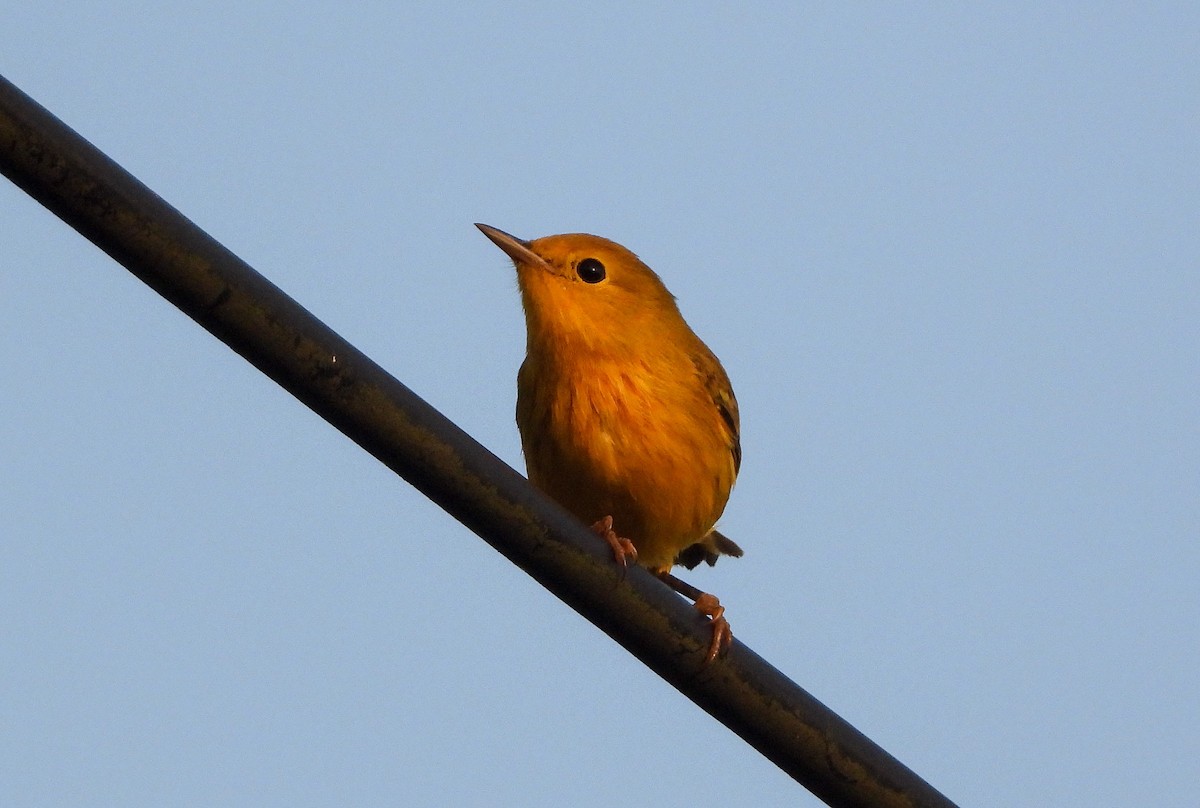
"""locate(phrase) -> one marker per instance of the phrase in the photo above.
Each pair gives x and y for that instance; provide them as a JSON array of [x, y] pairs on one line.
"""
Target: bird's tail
[[708, 550]]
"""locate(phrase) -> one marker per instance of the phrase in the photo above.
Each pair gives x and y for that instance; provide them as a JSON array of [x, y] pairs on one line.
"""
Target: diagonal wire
[[243, 309]]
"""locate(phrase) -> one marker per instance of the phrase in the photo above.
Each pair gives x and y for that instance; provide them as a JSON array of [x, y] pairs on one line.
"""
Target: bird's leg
[[623, 549], [710, 607]]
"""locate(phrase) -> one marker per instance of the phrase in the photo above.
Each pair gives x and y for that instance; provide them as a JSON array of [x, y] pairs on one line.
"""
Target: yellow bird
[[626, 418]]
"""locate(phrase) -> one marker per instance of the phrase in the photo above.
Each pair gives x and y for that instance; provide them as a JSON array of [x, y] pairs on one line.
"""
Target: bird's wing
[[716, 383]]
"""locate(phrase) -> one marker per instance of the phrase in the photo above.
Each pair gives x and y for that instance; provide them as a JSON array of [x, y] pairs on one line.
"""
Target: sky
[[947, 254]]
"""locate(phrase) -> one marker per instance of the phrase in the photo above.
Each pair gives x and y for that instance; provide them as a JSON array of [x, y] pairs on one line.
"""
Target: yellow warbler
[[626, 417]]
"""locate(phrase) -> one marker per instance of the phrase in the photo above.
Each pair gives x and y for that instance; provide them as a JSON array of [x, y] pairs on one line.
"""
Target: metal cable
[[222, 293]]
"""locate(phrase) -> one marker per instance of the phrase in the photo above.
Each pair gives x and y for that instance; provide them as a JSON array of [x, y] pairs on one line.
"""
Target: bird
[[626, 418]]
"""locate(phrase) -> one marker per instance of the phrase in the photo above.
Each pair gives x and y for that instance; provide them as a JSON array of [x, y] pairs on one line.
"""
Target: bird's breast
[[641, 443]]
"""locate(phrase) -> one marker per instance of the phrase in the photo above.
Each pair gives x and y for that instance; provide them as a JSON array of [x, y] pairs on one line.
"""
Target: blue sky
[[947, 254]]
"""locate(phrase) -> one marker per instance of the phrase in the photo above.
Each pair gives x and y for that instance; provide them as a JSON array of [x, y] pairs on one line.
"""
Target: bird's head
[[587, 291]]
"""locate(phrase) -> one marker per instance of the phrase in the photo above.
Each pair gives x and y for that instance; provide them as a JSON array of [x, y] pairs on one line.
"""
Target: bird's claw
[[722, 635], [622, 548]]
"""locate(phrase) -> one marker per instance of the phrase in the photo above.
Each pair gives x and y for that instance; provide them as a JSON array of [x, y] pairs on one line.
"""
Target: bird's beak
[[516, 249]]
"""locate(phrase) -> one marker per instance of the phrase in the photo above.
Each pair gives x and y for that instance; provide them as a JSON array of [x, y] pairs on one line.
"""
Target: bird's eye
[[590, 270]]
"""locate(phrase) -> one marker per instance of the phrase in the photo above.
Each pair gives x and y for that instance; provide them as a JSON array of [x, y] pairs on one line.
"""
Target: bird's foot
[[722, 635], [710, 607], [623, 550]]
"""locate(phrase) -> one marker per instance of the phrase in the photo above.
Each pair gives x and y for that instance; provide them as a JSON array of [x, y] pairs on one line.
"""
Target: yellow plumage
[[622, 410]]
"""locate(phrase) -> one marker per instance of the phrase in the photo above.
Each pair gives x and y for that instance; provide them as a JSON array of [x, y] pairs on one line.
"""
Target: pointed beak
[[516, 249]]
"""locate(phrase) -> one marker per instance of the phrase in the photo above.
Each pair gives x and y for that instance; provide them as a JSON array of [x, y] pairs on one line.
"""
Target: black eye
[[590, 270]]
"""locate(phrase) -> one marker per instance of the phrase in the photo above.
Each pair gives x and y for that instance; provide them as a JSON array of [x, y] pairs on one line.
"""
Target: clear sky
[[948, 254]]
